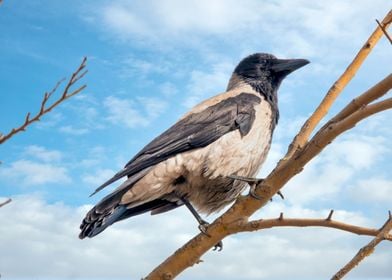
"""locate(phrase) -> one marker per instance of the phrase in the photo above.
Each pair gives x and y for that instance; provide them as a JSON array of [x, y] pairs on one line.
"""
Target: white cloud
[[372, 190], [42, 153], [95, 156], [124, 112], [99, 176], [153, 107], [205, 84], [329, 174], [29, 173], [70, 129], [132, 248], [133, 113], [174, 22], [168, 89]]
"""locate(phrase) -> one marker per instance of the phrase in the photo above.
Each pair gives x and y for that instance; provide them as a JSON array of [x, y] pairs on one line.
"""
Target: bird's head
[[264, 72]]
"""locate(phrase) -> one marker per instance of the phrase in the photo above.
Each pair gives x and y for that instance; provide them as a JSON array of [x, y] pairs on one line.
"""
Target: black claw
[[203, 228], [252, 192], [280, 194], [218, 246]]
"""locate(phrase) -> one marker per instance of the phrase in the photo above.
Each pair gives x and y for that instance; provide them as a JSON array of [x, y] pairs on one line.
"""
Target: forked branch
[[75, 77], [365, 251], [290, 222], [302, 137]]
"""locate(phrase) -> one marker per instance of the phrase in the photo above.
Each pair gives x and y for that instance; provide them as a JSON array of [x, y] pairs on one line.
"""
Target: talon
[[280, 194], [252, 192], [245, 179], [218, 246], [203, 228]]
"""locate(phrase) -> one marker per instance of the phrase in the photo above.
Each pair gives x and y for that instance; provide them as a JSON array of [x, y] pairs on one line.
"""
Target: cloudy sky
[[149, 62]]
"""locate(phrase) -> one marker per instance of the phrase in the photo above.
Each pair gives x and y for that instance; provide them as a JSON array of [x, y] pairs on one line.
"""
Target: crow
[[197, 161]]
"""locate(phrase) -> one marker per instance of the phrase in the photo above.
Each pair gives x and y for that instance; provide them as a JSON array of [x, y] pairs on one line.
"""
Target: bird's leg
[[253, 182], [203, 225]]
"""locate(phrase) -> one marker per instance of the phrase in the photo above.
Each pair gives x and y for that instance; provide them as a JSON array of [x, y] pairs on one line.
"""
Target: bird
[[200, 160]]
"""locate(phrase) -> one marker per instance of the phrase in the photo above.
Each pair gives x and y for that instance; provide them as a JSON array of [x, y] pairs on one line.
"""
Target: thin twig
[[302, 137], [291, 222], [366, 250], [367, 97], [5, 202], [385, 32], [77, 75]]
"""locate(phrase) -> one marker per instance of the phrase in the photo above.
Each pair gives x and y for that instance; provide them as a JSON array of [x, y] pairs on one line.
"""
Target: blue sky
[[149, 62]]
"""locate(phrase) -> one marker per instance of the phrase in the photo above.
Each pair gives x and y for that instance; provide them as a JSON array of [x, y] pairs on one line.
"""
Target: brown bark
[[366, 250], [289, 222]]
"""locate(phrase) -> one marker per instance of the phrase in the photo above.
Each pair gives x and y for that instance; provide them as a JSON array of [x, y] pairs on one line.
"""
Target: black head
[[265, 72]]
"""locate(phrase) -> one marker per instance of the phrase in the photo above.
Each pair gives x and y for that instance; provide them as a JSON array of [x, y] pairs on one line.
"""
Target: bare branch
[[367, 97], [5, 202], [77, 75], [244, 207], [290, 222], [366, 250], [311, 123]]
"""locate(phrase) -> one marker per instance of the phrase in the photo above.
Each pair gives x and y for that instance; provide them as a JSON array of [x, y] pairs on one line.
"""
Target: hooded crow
[[195, 162]]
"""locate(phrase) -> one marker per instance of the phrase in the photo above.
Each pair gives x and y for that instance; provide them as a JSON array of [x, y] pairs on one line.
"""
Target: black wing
[[194, 131]]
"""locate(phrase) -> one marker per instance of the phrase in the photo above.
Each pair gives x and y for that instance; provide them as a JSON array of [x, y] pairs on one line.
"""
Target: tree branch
[[245, 206], [308, 127], [290, 222], [367, 97], [5, 202], [76, 76], [366, 250]]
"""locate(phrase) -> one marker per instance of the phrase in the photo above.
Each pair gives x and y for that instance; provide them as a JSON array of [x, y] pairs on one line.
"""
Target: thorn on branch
[[280, 194], [329, 216], [384, 31], [5, 202], [280, 216], [27, 117]]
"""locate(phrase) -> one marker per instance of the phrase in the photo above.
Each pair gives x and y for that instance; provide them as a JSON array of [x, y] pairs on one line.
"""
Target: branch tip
[[330, 215], [77, 75]]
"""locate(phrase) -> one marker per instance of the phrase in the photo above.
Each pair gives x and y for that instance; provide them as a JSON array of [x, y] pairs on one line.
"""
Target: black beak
[[288, 65]]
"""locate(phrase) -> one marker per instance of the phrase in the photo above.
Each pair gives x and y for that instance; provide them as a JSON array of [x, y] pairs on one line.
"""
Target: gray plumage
[[228, 134]]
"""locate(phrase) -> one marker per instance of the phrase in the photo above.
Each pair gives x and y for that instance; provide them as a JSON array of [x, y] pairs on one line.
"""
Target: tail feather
[[96, 221]]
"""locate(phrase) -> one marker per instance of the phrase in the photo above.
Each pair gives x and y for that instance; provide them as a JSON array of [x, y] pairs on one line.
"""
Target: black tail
[[97, 221]]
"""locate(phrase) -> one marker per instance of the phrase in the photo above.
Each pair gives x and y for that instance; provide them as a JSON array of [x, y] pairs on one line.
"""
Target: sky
[[149, 62]]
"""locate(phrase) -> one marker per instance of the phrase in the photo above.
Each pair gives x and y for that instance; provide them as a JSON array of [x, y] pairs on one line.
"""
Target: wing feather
[[194, 131]]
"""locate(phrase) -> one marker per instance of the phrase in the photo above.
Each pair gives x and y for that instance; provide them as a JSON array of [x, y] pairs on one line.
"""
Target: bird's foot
[[203, 226], [249, 180], [253, 182], [252, 192], [218, 246]]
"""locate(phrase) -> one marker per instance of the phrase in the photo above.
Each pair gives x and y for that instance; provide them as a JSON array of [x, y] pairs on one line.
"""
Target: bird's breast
[[240, 155]]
